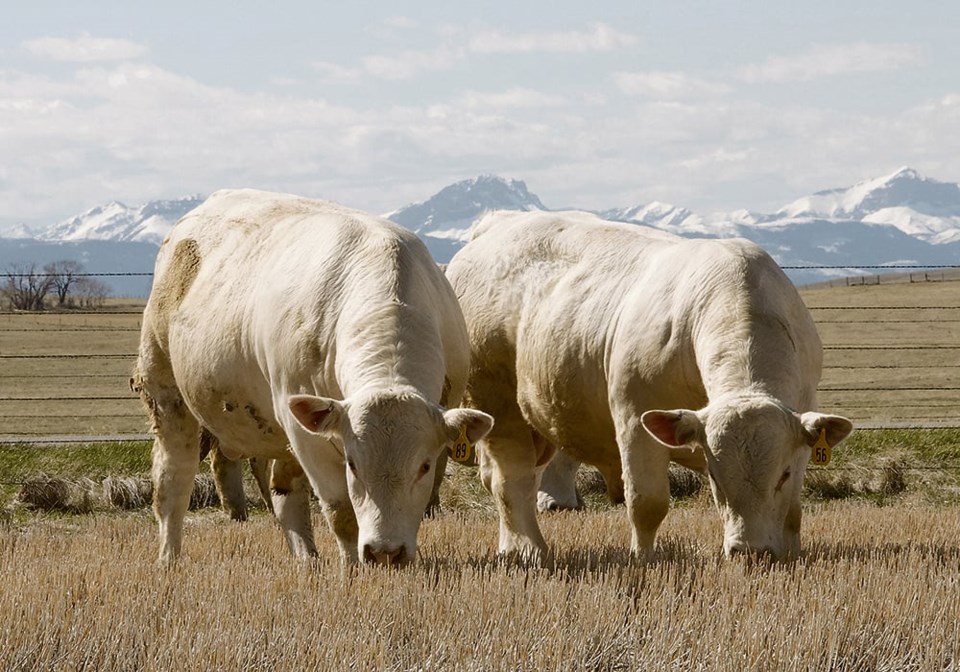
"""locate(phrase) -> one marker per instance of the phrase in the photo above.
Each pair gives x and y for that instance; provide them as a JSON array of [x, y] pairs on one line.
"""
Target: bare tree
[[91, 293], [63, 275], [25, 287]]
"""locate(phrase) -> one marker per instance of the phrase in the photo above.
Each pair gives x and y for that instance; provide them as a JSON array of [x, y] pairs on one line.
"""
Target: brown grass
[[875, 589]]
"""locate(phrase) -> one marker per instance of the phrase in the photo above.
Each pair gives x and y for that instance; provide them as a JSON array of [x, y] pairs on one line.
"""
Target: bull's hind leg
[[260, 468], [291, 504], [227, 477], [558, 485], [176, 452]]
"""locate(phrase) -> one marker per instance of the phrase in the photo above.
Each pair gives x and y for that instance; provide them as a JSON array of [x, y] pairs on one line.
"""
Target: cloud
[[660, 84], [336, 73], [456, 44], [403, 22], [398, 66], [512, 98], [407, 64], [600, 37], [134, 131], [826, 60], [84, 49]]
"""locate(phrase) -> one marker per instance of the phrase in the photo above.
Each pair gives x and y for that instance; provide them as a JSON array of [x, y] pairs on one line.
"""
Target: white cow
[[581, 328], [317, 336]]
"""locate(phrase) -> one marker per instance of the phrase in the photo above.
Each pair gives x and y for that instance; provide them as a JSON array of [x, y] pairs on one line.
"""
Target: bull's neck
[[389, 346], [749, 353]]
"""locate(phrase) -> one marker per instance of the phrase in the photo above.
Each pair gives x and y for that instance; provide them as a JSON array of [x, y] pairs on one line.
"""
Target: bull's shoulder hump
[[541, 222], [256, 210], [256, 204], [573, 229]]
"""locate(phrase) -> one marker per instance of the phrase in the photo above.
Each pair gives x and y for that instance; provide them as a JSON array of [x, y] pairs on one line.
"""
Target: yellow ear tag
[[462, 449], [821, 449]]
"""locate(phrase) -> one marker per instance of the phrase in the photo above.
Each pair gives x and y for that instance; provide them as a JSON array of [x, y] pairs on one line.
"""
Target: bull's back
[[541, 295], [248, 295]]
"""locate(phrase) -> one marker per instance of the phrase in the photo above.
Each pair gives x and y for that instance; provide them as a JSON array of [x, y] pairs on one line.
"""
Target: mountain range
[[898, 219]]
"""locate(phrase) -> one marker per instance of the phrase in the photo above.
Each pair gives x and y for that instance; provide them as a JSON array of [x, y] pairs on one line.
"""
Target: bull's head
[[756, 454], [390, 443]]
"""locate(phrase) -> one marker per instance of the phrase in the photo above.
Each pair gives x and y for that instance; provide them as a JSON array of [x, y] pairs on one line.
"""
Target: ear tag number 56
[[462, 449], [821, 449]]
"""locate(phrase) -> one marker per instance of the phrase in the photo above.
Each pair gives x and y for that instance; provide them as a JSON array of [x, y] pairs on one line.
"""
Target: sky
[[713, 106]]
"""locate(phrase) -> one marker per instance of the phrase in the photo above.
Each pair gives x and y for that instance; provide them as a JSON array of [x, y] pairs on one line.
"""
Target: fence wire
[[58, 322]]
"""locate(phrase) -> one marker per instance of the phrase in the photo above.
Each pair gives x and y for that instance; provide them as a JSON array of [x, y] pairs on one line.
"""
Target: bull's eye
[[353, 467], [783, 479], [425, 469]]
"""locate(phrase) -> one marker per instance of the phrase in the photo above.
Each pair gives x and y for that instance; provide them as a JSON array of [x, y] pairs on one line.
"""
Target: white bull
[[581, 329], [314, 335]]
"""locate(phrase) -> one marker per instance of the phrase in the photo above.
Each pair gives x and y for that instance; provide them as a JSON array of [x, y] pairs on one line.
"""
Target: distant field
[[68, 372], [892, 356], [891, 351]]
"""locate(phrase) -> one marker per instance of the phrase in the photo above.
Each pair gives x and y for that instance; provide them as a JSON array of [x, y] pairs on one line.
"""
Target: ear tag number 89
[[462, 449]]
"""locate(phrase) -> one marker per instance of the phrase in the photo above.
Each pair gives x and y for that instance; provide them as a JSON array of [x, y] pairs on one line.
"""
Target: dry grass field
[[877, 586], [876, 589]]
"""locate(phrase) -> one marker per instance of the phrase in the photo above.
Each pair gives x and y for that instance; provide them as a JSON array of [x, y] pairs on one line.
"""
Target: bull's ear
[[673, 428], [477, 423], [317, 415], [835, 428]]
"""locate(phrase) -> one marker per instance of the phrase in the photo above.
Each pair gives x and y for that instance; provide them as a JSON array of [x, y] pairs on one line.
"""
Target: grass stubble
[[876, 588]]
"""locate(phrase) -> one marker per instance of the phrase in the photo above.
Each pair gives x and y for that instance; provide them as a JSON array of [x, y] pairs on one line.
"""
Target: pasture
[[877, 586]]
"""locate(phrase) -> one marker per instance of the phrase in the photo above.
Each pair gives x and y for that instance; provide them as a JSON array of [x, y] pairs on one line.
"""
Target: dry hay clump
[[50, 493], [888, 479], [127, 492], [83, 495], [683, 482]]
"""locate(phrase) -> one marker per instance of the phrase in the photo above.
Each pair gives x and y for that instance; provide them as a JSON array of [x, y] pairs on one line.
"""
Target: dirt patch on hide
[[177, 279]]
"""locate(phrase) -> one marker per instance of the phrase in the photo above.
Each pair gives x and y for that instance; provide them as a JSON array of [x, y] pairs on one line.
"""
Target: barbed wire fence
[[23, 373]]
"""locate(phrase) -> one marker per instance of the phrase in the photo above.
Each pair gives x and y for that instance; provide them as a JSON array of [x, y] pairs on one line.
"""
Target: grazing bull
[[320, 337], [581, 329]]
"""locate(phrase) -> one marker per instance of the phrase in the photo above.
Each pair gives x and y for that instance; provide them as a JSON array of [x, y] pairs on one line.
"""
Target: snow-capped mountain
[[918, 206], [148, 223], [20, 231], [901, 218], [676, 220], [443, 221]]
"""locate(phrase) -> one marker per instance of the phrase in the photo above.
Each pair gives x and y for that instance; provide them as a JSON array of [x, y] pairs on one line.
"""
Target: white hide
[[579, 327], [316, 335]]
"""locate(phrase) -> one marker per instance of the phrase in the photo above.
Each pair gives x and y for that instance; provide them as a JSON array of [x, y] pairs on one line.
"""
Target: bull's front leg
[[324, 464], [512, 467], [791, 529], [646, 483], [433, 506]]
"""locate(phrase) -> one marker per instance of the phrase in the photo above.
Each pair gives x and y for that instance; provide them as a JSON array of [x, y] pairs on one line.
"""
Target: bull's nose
[[385, 555]]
